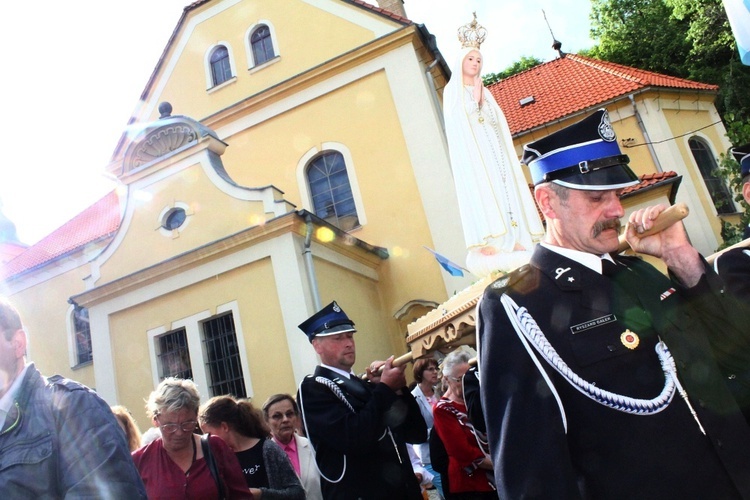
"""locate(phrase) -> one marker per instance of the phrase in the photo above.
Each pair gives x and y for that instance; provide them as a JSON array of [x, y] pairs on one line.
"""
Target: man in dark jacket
[[58, 439], [596, 374], [733, 355], [358, 428]]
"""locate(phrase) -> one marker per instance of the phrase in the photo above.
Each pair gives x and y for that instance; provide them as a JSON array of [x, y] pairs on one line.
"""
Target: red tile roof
[[649, 180], [573, 84], [100, 220]]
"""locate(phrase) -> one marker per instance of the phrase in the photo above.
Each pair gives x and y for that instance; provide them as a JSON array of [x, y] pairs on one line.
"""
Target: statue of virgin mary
[[500, 220]]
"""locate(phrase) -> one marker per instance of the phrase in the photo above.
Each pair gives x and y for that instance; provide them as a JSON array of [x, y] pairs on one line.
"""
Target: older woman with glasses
[[469, 468], [173, 466], [282, 416]]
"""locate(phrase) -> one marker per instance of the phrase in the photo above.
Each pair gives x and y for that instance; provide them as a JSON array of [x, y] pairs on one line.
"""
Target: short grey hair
[[454, 359], [173, 394]]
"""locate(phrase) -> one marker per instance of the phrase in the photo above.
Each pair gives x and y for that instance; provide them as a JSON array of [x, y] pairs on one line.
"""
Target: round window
[[174, 219]]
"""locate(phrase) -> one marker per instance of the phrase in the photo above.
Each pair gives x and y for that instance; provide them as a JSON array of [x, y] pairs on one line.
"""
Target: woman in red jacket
[[469, 468]]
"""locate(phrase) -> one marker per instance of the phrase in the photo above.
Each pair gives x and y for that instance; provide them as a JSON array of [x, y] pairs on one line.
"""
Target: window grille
[[223, 365], [174, 355]]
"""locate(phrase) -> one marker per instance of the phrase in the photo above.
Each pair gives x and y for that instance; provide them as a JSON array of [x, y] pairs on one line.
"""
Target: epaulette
[[504, 282]]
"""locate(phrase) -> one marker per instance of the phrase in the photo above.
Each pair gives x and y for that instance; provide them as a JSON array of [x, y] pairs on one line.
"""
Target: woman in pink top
[[282, 415]]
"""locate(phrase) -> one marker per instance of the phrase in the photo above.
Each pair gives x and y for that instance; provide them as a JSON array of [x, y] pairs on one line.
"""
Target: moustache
[[606, 224]]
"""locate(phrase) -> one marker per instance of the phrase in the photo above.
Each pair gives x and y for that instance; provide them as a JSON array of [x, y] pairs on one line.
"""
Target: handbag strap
[[211, 463]]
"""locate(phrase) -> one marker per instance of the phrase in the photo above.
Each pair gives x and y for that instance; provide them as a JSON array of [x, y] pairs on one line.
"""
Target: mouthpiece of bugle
[[673, 214]]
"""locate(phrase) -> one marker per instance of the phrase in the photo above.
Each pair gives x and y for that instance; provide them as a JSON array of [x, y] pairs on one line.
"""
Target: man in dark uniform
[[358, 428], [596, 377], [734, 265], [734, 268]]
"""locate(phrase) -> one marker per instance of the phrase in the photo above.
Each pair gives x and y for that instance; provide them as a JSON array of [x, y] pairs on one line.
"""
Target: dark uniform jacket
[[358, 431], [733, 353], [549, 440], [60, 440]]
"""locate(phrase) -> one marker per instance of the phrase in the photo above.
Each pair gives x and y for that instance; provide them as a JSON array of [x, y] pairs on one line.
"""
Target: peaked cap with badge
[[584, 155], [330, 320]]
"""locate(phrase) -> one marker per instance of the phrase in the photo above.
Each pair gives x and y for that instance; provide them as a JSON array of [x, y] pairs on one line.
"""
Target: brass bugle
[[673, 214]]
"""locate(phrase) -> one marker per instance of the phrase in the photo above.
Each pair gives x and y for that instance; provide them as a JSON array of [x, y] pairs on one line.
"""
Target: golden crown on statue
[[472, 34]]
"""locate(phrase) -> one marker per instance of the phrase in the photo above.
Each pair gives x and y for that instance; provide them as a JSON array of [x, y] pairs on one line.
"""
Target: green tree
[[517, 67], [640, 33], [684, 38]]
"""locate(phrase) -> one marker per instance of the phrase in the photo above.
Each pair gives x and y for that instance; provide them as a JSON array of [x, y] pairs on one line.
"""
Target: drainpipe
[[645, 134], [433, 91], [309, 263]]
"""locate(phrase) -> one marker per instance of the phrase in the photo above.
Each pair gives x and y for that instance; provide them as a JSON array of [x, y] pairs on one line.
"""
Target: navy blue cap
[[330, 320], [742, 155], [584, 155]]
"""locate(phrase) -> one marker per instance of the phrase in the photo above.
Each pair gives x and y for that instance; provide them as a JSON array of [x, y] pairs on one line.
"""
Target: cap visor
[[614, 177], [336, 330]]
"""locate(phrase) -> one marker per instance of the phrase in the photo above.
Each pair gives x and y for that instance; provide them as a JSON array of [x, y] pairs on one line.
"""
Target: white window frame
[[304, 187], [707, 142], [72, 345], [174, 233], [251, 66], [193, 326], [207, 66]]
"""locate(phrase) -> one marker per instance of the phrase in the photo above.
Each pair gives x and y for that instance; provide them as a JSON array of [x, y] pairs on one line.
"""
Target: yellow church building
[[284, 154]]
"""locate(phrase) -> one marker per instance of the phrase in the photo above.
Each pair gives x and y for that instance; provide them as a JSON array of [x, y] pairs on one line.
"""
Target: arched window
[[331, 191], [221, 70], [262, 45], [717, 187]]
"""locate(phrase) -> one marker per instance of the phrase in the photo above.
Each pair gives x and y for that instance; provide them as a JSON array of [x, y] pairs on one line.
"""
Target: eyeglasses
[[188, 426], [278, 416], [455, 379]]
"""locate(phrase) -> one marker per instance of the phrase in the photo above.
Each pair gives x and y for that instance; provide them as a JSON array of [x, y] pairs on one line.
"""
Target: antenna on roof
[[556, 44]]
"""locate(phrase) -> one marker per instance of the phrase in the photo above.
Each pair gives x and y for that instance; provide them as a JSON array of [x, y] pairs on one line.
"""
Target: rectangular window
[[174, 355], [83, 335], [223, 365]]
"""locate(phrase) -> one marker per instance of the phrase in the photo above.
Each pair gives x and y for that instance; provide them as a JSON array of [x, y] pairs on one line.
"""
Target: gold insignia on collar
[[629, 339]]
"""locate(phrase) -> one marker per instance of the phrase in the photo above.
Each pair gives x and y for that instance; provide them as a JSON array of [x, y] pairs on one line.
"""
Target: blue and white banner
[[738, 12]]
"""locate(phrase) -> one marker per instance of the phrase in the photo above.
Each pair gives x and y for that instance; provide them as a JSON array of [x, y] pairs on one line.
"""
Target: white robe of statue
[[500, 220]]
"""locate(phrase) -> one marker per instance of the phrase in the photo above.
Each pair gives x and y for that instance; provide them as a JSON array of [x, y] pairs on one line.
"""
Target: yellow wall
[[306, 35], [377, 336], [214, 215], [43, 310], [363, 117], [252, 286]]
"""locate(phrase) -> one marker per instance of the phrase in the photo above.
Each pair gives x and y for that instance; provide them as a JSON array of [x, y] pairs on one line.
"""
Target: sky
[[75, 70]]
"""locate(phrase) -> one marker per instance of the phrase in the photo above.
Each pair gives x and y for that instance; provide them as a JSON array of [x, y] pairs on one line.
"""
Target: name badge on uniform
[[588, 325]]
